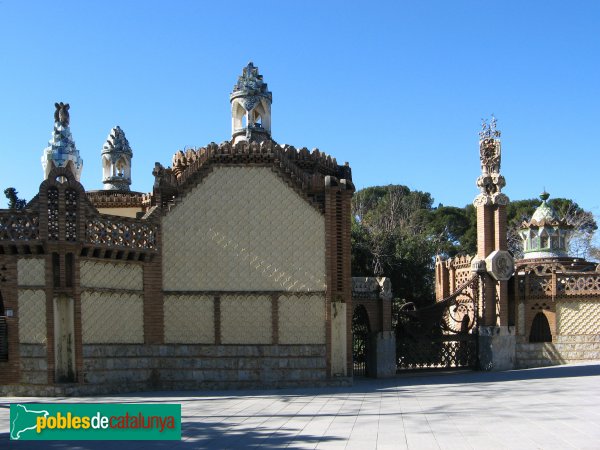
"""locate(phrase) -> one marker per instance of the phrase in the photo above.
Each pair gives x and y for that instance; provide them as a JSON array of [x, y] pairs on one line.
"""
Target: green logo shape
[[95, 421]]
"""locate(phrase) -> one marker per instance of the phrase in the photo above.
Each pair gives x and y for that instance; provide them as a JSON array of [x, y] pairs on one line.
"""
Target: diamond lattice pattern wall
[[578, 317], [110, 317], [243, 229], [302, 319], [189, 319], [32, 316], [246, 319], [31, 272], [96, 274]]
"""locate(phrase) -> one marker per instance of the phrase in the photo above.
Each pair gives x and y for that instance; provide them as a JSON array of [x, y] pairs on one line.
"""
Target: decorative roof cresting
[[61, 150]]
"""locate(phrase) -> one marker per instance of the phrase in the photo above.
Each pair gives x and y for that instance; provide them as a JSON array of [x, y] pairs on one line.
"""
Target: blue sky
[[398, 89]]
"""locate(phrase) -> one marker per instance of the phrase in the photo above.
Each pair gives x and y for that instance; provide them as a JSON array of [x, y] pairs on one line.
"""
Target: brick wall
[[272, 232]]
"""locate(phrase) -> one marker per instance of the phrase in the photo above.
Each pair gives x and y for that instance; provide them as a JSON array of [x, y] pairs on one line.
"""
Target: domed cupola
[[61, 150], [250, 107], [545, 235]]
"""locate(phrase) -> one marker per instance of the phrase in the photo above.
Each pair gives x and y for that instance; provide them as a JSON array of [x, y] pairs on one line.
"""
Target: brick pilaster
[[153, 301], [485, 231], [338, 261], [10, 371], [275, 319], [346, 268], [217, 319], [50, 269], [500, 227], [330, 263], [488, 302]]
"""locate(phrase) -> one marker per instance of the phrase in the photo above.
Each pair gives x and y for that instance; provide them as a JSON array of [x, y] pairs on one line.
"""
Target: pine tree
[[14, 202]]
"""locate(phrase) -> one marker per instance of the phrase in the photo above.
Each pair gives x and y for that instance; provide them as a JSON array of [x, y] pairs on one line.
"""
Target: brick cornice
[[308, 173]]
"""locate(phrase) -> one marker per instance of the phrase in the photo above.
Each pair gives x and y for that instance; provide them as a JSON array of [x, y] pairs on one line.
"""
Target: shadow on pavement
[[407, 379], [566, 371], [195, 435]]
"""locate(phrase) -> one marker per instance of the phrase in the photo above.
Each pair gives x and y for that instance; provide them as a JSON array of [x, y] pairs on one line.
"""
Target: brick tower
[[494, 263]]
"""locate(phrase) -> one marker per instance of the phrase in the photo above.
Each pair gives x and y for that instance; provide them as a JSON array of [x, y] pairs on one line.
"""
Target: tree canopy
[[397, 233], [390, 238], [14, 202]]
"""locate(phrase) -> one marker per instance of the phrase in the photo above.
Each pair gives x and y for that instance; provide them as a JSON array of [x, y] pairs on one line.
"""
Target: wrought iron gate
[[361, 332], [443, 335]]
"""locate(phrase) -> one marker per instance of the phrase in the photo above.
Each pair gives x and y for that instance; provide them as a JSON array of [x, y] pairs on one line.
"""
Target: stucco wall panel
[[32, 316], [578, 317], [302, 319], [246, 319], [243, 229], [189, 319], [112, 318], [31, 272], [96, 274]]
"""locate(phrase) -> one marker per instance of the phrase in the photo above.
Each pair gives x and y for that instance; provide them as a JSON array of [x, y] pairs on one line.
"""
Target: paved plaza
[[547, 408]]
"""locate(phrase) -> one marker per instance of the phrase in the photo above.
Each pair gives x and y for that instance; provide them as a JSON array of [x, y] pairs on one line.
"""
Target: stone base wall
[[496, 348], [113, 368], [202, 366], [34, 363], [382, 355], [566, 349]]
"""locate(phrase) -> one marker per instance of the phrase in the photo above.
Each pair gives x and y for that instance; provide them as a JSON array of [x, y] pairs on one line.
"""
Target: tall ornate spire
[[490, 182], [250, 107], [116, 161], [61, 150]]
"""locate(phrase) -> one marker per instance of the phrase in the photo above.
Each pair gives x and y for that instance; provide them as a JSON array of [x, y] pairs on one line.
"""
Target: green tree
[[448, 226], [390, 238], [14, 202]]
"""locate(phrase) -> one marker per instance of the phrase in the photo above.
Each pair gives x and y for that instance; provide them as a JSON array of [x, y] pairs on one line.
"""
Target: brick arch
[[539, 328], [371, 307], [361, 309], [71, 182]]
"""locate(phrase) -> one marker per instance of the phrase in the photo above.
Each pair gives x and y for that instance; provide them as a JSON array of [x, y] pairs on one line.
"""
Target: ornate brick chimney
[[61, 150], [116, 161], [250, 107]]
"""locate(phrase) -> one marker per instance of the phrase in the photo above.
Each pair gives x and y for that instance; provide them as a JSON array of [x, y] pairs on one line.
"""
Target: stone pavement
[[547, 408]]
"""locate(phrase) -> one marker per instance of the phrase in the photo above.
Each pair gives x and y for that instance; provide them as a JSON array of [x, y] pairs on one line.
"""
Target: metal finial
[[489, 131]]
